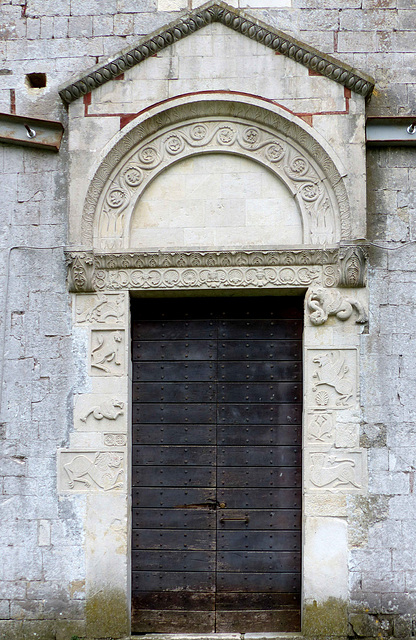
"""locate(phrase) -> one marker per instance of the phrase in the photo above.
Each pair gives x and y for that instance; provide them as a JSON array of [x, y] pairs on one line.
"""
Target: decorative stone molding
[[208, 270], [225, 126], [320, 427], [115, 439], [352, 270], [81, 471], [323, 303], [237, 20], [291, 164], [81, 270]]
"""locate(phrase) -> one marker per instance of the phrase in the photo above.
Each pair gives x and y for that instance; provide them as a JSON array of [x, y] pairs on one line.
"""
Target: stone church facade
[[160, 157]]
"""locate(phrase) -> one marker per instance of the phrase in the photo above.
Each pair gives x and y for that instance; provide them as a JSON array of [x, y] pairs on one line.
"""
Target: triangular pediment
[[236, 20]]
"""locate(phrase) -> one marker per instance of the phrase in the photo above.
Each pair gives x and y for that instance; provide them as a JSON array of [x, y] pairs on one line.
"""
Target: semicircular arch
[[271, 139]]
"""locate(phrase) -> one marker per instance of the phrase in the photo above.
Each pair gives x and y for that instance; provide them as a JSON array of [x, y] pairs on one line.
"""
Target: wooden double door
[[216, 497]]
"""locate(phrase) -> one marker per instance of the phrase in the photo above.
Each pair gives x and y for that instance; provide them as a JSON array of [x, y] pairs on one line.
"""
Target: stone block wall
[[42, 575]]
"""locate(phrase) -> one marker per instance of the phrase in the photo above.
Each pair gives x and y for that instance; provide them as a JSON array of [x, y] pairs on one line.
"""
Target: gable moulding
[[236, 19]]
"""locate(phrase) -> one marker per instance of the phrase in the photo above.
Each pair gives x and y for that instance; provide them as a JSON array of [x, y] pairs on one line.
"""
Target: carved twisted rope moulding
[[238, 21], [89, 272], [292, 164]]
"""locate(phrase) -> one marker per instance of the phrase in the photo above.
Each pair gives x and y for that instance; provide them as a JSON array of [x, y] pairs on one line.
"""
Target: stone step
[[218, 636]]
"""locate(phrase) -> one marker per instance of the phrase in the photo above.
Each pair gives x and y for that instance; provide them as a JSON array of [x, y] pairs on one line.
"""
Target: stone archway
[[326, 265]]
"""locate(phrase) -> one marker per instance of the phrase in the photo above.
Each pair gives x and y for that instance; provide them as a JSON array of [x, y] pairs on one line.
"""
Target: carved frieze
[[208, 278], [332, 378], [199, 269], [335, 470], [107, 353], [323, 303], [80, 270], [86, 471], [100, 309]]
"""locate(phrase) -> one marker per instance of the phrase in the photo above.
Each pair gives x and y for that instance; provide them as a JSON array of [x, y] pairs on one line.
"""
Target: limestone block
[[325, 559], [86, 471], [107, 599], [325, 504]]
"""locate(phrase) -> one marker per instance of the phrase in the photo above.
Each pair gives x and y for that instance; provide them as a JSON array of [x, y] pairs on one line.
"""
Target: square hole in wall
[[36, 80]]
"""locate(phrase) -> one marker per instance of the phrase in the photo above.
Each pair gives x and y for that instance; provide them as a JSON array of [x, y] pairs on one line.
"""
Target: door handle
[[245, 519]]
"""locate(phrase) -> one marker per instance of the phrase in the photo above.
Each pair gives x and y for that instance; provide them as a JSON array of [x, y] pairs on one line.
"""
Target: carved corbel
[[323, 303], [352, 267], [80, 271]]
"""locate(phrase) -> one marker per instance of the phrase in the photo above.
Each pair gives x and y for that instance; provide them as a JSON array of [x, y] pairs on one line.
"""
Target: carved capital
[[352, 267], [80, 271], [322, 303]]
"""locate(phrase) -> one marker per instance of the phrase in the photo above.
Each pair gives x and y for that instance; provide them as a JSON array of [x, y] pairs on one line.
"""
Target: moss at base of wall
[[327, 619], [107, 614]]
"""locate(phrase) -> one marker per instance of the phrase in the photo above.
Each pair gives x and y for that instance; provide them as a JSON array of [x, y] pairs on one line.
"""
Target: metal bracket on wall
[[395, 131], [30, 132]]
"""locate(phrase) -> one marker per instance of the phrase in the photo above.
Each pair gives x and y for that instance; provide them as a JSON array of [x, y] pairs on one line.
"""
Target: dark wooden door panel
[[162, 391], [173, 455], [261, 435], [290, 371], [176, 330], [144, 497], [260, 329], [198, 517], [175, 560], [174, 580], [284, 456], [216, 499], [259, 540], [247, 519], [243, 350], [257, 621], [174, 413], [165, 434], [165, 476], [174, 350], [255, 414], [260, 392], [267, 498], [173, 539], [258, 561], [174, 371], [162, 621], [259, 477], [257, 601], [176, 600]]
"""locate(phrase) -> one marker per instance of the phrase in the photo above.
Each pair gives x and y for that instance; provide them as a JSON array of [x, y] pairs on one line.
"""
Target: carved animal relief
[[107, 353], [100, 309], [91, 471], [109, 409], [335, 470], [323, 303], [333, 378]]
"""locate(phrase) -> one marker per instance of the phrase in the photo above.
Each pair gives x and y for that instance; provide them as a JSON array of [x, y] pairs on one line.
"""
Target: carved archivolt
[[220, 126], [286, 159]]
